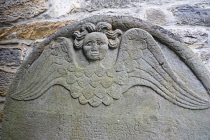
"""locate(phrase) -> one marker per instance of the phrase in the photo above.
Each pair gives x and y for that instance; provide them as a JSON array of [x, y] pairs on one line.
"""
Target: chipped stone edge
[[124, 23]]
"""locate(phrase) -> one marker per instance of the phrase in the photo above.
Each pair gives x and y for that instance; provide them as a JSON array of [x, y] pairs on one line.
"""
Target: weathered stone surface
[[109, 78], [62, 8], [195, 38], [11, 56], [192, 15], [205, 56], [32, 31], [156, 16], [1, 113], [23, 11], [5, 79], [94, 4], [8, 3]]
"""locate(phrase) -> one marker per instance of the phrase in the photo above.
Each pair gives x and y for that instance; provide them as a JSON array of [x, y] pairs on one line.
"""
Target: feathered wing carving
[[140, 62], [141, 59], [51, 68], [57, 66]]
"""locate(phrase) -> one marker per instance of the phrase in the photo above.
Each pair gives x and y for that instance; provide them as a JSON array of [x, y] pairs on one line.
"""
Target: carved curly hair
[[103, 27]]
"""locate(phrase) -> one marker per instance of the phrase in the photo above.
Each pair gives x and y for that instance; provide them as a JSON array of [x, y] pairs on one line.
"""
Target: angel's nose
[[94, 47]]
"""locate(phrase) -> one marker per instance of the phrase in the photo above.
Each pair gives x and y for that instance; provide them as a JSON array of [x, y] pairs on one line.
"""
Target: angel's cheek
[[87, 51], [102, 51]]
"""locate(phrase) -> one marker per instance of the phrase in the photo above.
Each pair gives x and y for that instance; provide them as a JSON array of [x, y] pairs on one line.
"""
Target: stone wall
[[25, 23]]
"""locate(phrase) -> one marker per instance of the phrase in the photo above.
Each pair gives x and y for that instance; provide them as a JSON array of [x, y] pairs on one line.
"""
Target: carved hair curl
[[103, 27]]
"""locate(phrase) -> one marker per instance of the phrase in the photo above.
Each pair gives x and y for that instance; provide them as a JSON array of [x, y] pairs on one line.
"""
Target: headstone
[[109, 78]]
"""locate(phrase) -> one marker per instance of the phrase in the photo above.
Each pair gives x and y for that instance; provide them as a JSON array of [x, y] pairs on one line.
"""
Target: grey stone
[[192, 15], [92, 5], [5, 80], [193, 37], [109, 77], [8, 3], [156, 16], [23, 11], [11, 56], [205, 56]]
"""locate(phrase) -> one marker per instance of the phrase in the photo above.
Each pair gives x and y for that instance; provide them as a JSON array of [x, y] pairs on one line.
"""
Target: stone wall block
[[61, 8], [192, 15], [11, 56], [8, 3], [156, 16], [93, 5], [194, 37], [23, 11], [205, 56], [32, 31], [5, 79]]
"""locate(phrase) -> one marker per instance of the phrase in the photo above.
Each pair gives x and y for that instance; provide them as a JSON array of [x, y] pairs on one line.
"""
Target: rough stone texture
[[5, 79], [8, 3], [192, 15], [205, 57], [193, 37], [156, 16], [197, 40], [100, 4], [196, 37], [109, 78], [23, 11], [6, 53], [32, 31], [68, 7]]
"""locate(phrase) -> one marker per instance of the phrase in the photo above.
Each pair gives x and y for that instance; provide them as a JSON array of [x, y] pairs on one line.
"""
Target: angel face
[[95, 46]]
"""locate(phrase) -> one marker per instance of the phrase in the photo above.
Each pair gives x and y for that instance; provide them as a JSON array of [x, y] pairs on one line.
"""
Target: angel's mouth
[[94, 53]]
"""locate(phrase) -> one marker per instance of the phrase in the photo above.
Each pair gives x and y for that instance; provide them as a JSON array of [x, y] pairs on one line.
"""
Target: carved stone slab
[[109, 78]]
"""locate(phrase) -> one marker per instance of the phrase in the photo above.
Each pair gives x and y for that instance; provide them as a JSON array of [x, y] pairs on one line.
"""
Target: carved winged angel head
[[95, 40], [140, 62]]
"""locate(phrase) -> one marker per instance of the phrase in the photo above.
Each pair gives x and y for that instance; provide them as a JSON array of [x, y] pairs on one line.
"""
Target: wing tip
[[16, 97]]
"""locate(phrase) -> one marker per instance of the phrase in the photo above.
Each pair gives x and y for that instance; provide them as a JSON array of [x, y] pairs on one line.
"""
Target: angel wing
[[51, 68], [57, 66], [142, 62]]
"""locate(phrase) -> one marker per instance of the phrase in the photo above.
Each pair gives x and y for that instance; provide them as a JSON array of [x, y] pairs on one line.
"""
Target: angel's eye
[[99, 42], [88, 43]]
